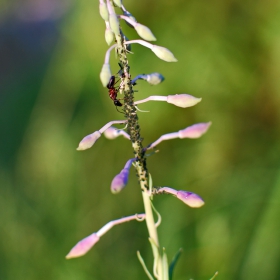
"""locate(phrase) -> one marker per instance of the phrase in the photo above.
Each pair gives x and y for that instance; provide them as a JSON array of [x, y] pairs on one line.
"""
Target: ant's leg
[[118, 110]]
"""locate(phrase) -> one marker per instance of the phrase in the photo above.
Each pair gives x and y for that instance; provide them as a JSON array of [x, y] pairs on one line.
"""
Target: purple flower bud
[[183, 100], [83, 246], [194, 131], [88, 141], [191, 199], [120, 181]]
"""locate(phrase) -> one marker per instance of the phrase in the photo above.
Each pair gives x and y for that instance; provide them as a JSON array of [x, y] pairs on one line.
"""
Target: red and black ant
[[114, 91]]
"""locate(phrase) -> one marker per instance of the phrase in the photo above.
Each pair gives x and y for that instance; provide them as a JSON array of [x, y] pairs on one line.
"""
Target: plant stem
[[133, 129]]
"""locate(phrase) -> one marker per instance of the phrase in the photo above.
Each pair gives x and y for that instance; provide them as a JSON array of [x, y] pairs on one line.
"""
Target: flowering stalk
[[122, 48]]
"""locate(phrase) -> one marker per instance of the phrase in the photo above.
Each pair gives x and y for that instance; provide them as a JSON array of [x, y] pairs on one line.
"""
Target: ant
[[114, 91]]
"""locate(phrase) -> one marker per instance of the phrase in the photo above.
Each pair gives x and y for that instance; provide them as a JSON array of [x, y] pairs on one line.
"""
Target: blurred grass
[[51, 196]]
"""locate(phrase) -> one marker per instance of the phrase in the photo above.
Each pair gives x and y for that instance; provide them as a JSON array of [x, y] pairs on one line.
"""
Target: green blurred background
[[51, 196]]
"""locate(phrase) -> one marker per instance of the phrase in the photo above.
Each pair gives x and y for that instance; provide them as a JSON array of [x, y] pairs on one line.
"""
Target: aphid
[[113, 92]]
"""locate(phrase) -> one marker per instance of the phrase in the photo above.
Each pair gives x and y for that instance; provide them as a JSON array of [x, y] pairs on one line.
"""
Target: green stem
[[153, 233]]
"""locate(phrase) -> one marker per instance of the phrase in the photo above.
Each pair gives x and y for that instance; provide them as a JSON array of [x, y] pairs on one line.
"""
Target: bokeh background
[[51, 196]]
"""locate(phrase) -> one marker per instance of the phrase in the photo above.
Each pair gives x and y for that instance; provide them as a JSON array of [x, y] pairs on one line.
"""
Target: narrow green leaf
[[165, 265], [173, 263], [144, 266], [216, 273], [156, 255]]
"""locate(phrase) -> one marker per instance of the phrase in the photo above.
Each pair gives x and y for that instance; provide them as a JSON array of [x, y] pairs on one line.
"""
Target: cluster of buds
[[120, 180], [113, 33]]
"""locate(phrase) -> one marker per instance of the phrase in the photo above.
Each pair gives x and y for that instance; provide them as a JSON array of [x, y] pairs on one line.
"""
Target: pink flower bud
[[83, 246], [191, 199], [88, 141], [194, 131], [183, 100]]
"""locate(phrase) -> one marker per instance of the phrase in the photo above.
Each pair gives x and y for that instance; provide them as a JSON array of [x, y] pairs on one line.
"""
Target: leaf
[[173, 263], [165, 265], [216, 273], [144, 266]]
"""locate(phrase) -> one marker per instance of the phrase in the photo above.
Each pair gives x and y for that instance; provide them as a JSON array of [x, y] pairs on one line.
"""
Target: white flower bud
[[163, 53], [88, 141], [114, 24], [105, 74], [183, 100], [112, 133], [103, 10], [144, 32], [154, 78], [109, 35]]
